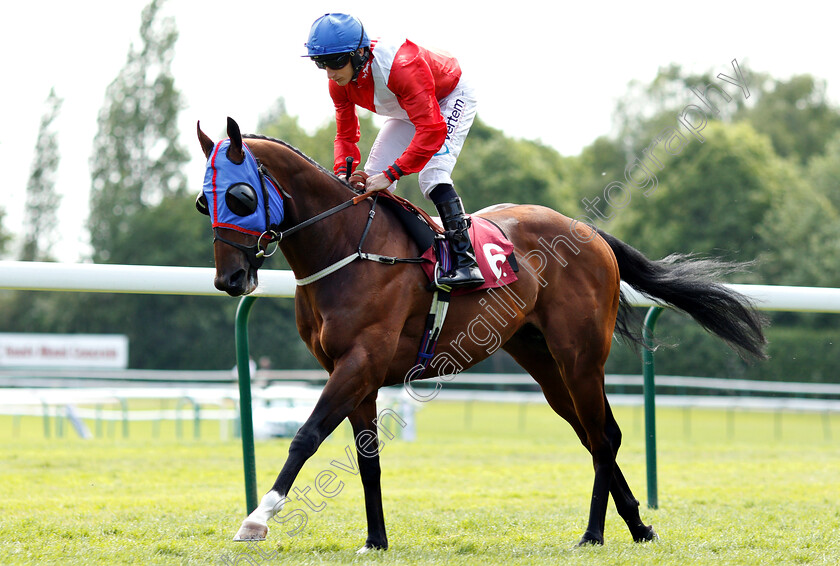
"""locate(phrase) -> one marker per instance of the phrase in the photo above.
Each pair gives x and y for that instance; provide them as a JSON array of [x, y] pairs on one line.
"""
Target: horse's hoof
[[590, 540], [251, 531], [647, 536], [370, 548]]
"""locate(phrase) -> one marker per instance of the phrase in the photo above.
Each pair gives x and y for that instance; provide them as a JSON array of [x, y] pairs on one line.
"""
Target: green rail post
[[197, 420], [99, 432], [196, 417], [179, 426], [59, 423], [124, 406], [46, 408], [243, 311], [650, 405]]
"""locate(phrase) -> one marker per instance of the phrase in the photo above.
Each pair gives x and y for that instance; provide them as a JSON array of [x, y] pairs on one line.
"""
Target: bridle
[[257, 253]]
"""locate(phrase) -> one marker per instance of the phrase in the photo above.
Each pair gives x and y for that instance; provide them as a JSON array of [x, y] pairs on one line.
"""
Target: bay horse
[[364, 320]]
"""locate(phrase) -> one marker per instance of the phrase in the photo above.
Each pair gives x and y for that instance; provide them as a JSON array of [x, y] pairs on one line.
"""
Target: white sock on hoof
[[270, 504]]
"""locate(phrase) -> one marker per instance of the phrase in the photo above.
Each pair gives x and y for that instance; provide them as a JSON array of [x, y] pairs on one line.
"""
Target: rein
[[278, 236], [358, 254], [256, 253]]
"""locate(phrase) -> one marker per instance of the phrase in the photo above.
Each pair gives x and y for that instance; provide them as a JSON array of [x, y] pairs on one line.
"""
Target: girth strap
[[434, 325]]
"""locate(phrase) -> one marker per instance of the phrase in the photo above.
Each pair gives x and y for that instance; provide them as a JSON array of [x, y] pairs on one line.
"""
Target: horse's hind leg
[[575, 391], [626, 505], [529, 349]]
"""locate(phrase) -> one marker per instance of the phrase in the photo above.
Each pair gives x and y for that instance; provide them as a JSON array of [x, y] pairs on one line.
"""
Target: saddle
[[494, 252]]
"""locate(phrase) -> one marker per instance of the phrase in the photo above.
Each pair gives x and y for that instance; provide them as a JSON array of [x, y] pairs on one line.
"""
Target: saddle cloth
[[493, 252]]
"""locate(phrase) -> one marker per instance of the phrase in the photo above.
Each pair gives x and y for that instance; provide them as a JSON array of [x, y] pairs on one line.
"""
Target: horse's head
[[245, 207]]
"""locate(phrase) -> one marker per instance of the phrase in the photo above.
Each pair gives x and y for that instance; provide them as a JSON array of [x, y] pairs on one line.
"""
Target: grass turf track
[[484, 484]]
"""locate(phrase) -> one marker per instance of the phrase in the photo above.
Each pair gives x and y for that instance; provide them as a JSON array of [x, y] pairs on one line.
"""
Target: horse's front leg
[[363, 420], [348, 385]]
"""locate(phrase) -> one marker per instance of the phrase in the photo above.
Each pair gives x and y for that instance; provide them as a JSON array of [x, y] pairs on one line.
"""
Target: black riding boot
[[464, 271]]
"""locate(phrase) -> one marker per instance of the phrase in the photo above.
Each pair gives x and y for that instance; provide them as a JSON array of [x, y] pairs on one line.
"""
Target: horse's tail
[[692, 286]]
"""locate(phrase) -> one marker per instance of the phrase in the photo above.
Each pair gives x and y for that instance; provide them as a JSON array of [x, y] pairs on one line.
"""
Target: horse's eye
[[201, 204], [241, 199]]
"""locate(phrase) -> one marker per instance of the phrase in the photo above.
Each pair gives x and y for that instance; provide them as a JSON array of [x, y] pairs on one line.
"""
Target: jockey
[[429, 109]]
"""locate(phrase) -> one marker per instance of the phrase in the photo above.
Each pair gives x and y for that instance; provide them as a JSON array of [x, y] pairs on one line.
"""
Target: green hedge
[[802, 348]]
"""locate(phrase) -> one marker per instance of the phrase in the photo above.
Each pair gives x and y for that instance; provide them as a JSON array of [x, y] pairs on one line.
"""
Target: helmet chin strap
[[358, 61]]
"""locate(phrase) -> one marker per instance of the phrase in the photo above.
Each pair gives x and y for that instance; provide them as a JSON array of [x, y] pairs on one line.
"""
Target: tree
[[804, 227], [141, 212], [491, 169], [796, 113], [168, 233], [137, 160], [598, 164], [710, 199], [797, 116], [42, 200], [646, 109], [823, 172], [5, 237], [494, 168], [278, 123]]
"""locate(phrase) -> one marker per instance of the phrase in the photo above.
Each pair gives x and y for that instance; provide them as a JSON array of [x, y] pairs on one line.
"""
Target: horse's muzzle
[[240, 282]]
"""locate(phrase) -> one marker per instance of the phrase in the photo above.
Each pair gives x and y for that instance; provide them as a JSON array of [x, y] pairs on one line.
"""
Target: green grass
[[483, 484]]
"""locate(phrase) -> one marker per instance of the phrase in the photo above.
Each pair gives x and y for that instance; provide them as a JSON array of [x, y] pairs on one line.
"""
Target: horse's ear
[[206, 143], [235, 152]]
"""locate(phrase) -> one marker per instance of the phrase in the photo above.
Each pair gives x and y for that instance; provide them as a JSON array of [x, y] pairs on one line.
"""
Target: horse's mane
[[311, 161]]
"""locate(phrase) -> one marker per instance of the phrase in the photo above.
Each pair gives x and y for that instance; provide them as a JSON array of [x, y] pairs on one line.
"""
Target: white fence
[[143, 279], [42, 276], [39, 276], [95, 402]]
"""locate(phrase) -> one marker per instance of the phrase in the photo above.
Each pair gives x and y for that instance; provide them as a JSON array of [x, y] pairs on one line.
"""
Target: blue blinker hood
[[221, 174]]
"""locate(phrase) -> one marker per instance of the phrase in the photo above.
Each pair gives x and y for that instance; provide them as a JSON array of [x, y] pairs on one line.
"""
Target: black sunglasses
[[334, 62]]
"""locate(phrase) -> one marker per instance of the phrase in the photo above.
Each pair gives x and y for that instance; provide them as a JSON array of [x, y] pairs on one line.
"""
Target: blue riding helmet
[[332, 34]]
